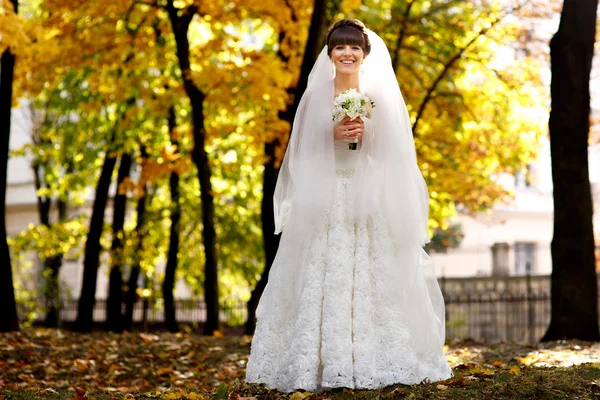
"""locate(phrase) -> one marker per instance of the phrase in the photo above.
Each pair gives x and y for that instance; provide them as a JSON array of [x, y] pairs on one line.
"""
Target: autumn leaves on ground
[[53, 364]]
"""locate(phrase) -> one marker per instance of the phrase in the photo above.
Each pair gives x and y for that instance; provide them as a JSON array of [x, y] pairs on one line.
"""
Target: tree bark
[[87, 298], [9, 320], [114, 313], [180, 25], [169, 280], [401, 34], [53, 265], [314, 44], [52, 291], [134, 274], [271, 241], [574, 283]]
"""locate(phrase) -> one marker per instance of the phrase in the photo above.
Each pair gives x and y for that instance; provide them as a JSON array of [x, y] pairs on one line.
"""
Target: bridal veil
[[387, 180]]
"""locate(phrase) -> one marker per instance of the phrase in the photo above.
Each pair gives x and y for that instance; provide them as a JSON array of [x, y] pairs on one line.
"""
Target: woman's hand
[[348, 129]]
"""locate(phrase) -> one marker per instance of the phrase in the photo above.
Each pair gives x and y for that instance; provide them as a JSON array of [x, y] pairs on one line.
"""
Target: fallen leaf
[[464, 366], [246, 340], [47, 391], [461, 381], [51, 371], [399, 391], [164, 371], [149, 338], [80, 393], [299, 396], [480, 370], [442, 387]]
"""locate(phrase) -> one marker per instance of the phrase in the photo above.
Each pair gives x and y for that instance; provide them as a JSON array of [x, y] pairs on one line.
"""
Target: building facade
[[514, 237]]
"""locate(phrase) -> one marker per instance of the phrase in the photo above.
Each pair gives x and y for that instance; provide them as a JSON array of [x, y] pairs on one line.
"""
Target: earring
[[362, 68], [332, 68]]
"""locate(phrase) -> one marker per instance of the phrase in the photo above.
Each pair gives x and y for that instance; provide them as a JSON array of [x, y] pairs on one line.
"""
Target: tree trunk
[[9, 320], [209, 235], [87, 298], [270, 240], [52, 291], [114, 313], [51, 265], [314, 44], [169, 280], [574, 282], [50, 288], [134, 274], [180, 25]]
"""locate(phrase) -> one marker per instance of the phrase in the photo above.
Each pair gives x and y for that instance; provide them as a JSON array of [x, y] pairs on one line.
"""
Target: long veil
[[387, 180]]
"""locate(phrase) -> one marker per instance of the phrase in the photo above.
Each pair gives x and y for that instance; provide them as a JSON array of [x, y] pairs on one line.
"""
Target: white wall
[[526, 218], [474, 256]]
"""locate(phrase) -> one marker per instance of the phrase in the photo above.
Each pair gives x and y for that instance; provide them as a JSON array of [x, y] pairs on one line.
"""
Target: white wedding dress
[[353, 320]]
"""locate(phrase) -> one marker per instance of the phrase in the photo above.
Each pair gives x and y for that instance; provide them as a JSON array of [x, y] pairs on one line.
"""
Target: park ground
[[56, 364]]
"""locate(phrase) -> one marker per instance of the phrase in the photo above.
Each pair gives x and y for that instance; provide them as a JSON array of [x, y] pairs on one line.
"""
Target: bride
[[352, 299]]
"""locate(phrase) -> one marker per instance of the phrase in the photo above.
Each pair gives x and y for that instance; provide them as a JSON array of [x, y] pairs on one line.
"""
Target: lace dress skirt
[[349, 324]]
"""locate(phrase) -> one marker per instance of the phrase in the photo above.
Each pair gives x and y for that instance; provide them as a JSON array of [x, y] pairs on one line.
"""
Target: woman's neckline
[[358, 89]]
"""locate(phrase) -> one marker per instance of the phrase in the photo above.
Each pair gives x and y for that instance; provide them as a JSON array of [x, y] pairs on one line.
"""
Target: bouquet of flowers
[[352, 104]]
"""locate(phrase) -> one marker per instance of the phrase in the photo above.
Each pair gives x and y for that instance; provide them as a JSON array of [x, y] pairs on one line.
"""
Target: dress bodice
[[345, 159]]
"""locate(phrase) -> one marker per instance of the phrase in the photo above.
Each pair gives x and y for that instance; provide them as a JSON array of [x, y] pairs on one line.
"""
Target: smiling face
[[347, 46], [347, 58]]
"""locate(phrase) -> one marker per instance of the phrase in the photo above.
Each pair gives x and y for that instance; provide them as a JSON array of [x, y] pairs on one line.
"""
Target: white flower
[[352, 104]]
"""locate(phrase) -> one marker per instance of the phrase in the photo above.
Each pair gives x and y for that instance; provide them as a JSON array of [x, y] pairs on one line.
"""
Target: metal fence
[[486, 308], [149, 314], [494, 309]]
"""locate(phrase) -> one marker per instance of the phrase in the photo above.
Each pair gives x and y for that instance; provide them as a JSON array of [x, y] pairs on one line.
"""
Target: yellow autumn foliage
[[476, 115]]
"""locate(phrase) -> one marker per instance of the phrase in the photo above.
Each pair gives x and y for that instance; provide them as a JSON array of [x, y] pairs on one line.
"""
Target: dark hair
[[348, 31]]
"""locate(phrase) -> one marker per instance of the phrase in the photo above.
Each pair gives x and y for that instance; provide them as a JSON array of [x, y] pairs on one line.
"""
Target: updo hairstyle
[[348, 31]]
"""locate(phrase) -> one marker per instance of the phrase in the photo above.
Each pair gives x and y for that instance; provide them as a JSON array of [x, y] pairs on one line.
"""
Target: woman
[[352, 300]]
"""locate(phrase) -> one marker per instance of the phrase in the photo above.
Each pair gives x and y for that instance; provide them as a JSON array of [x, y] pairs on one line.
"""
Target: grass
[[52, 364]]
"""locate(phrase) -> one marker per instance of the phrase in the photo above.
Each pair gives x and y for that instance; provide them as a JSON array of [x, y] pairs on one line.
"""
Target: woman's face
[[347, 58]]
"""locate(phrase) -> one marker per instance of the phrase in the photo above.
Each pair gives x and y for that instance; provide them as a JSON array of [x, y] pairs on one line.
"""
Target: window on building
[[500, 264], [525, 258], [526, 177], [529, 175]]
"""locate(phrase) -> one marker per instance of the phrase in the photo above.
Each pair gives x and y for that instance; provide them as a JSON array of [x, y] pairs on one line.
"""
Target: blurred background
[[146, 137]]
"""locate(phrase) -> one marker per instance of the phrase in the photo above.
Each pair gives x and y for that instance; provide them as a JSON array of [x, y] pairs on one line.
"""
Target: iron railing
[[486, 308]]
